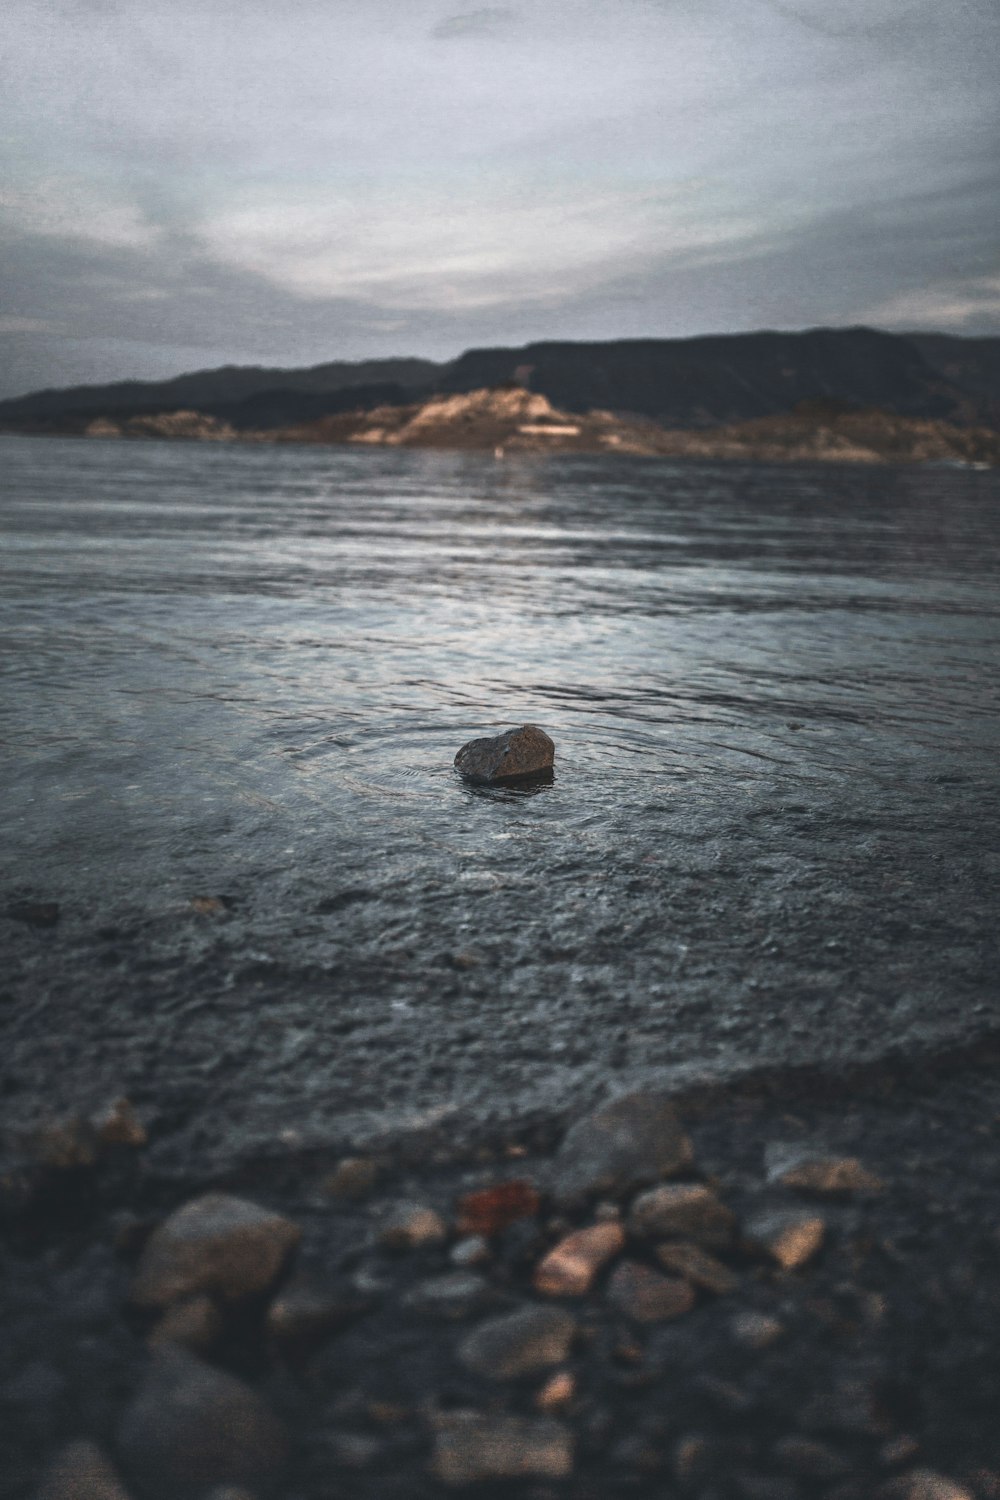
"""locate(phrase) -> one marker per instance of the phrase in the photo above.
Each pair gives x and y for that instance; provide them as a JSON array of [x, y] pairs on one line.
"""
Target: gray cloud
[[211, 187]]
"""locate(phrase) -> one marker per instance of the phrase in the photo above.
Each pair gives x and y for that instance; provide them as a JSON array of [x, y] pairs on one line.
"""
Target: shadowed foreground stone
[[81, 1472], [633, 1141], [520, 1343], [192, 1426], [472, 1447], [647, 1297], [214, 1244], [516, 752]]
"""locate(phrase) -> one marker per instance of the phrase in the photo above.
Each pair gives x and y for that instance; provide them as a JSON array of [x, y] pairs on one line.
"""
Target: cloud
[[73, 208], [950, 306], [486, 22]]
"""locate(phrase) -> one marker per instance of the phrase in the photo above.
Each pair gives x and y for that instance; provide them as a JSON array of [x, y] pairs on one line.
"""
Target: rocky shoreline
[[766, 1290]]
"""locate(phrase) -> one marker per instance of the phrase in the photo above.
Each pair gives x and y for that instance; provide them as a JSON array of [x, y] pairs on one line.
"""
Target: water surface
[[241, 674]]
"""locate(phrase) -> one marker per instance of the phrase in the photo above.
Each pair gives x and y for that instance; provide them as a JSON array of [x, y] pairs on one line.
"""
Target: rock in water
[[505, 757], [215, 1243]]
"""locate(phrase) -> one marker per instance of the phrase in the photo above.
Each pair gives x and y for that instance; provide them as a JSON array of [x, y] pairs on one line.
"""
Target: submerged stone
[[635, 1140], [505, 757]]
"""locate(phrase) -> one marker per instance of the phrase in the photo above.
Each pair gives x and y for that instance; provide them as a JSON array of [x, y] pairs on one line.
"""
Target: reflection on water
[[249, 670]]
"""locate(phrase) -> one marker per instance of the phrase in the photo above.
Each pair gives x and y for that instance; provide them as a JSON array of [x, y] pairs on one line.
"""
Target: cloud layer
[[231, 181]]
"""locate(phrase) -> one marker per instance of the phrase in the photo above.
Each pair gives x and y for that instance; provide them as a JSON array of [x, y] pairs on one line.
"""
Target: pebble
[[631, 1142], [519, 1343], [685, 1210], [805, 1458], [119, 1125], [924, 1484], [697, 1266], [503, 757], [570, 1268], [81, 1472], [557, 1392], [756, 1330], [471, 1447], [192, 1426], [456, 1294], [815, 1171], [788, 1236], [215, 1243], [411, 1226], [647, 1297], [353, 1177], [305, 1313], [472, 1251], [195, 1323], [493, 1209]]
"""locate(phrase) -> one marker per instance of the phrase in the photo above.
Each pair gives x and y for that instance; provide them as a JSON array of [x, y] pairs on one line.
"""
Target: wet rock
[[411, 1226], [519, 1343], [557, 1392], [217, 1244], [119, 1125], [805, 1458], [683, 1210], [570, 1268], [192, 1426], [305, 1313], [504, 757], [81, 1472], [64, 1145], [813, 1171], [692, 1457], [697, 1266], [353, 1177], [756, 1330], [471, 1447], [923, 1484], [473, 1251], [493, 1209], [194, 1323], [457, 1294], [647, 1297], [629, 1143], [787, 1236]]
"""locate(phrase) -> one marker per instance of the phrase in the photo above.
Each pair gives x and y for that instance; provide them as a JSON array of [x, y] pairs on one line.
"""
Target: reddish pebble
[[492, 1209]]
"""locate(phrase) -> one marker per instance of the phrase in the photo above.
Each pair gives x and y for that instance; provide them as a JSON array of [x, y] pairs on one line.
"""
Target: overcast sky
[[216, 181]]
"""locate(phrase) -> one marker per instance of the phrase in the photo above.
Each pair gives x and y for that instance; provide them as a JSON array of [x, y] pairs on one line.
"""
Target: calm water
[[244, 673]]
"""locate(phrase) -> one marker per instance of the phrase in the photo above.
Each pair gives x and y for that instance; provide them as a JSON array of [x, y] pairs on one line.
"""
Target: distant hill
[[679, 383]]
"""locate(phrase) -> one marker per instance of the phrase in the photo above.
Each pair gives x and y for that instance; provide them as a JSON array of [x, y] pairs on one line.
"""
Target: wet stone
[[472, 1251], [924, 1484], [472, 1447], [81, 1472], [195, 1323], [353, 1177], [411, 1226], [814, 1171], [756, 1330], [305, 1314], [456, 1294], [215, 1243], [491, 1210], [787, 1236], [683, 1210], [505, 757], [629, 1143], [697, 1266], [192, 1426], [557, 1392], [807, 1458], [571, 1266], [519, 1343], [647, 1297], [119, 1125]]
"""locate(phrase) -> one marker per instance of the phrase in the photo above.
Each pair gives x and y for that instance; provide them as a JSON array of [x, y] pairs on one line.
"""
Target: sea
[[241, 881]]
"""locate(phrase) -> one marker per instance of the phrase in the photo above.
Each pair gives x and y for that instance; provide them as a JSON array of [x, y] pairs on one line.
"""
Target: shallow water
[[243, 673]]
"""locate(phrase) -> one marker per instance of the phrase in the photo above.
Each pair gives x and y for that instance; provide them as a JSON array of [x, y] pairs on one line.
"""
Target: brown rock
[[786, 1235], [557, 1392], [812, 1171], [304, 1314], [756, 1330], [412, 1226], [192, 1426], [570, 1267], [697, 1266], [647, 1297], [924, 1484], [505, 757], [81, 1472], [195, 1323], [217, 1244], [519, 1343], [492, 1209], [633, 1141], [471, 1447], [685, 1210], [119, 1125], [353, 1177]]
